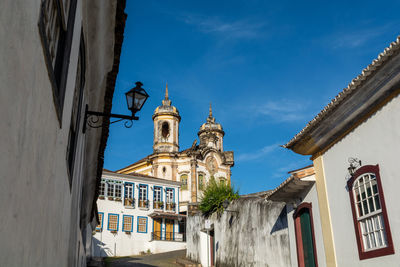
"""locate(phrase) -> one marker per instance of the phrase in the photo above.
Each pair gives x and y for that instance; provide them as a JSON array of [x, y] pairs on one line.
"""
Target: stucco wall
[[255, 236], [40, 213], [375, 141]]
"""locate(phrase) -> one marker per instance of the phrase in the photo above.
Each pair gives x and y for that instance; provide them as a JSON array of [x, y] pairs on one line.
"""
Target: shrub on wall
[[214, 195]]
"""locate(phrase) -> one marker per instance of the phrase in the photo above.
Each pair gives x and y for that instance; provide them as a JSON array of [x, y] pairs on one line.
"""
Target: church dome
[[210, 125], [166, 108]]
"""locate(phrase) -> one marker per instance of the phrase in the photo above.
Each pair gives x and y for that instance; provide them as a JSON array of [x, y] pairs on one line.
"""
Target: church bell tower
[[166, 120]]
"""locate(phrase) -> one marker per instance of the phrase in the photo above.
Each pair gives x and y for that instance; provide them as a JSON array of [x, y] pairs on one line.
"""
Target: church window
[[369, 213], [142, 224], [184, 179], [56, 27], [113, 222], [222, 180], [99, 227], [128, 195], [127, 223], [143, 194], [165, 129], [201, 181], [164, 170]]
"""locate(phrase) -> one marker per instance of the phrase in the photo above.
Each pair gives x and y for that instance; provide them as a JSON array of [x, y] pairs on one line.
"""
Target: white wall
[[375, 141]]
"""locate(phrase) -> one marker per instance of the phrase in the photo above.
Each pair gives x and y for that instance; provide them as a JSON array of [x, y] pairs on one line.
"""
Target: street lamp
[[135, 98]]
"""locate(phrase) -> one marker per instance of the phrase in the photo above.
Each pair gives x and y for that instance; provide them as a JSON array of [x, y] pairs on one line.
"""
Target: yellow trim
[[324, 212], [134, 168]]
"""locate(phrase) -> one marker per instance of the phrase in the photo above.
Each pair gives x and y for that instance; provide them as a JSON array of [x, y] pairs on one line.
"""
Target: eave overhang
[[290, 190]]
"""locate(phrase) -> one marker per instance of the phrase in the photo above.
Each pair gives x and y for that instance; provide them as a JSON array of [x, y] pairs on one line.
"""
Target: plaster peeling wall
[[256, 236]]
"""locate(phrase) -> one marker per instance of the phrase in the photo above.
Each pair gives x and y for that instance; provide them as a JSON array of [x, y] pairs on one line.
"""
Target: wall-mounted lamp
[[135, 99], [225, 205], [354, 164]]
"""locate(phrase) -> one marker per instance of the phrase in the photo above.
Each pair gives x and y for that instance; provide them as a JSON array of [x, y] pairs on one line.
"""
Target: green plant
[[214, 195]]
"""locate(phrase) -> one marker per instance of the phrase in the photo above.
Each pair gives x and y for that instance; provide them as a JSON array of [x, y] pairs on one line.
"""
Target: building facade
[[354, 142], [57, 56], [193, 167], [138, 214]]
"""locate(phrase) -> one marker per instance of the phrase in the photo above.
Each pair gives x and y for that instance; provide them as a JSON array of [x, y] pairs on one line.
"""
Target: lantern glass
[[136, 98]]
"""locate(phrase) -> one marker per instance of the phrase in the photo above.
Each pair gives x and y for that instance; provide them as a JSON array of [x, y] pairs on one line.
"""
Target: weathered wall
[[255, 236]]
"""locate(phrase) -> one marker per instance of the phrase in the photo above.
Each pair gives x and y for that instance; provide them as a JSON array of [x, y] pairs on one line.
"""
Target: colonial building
[[354, 144], [57, 57], [194, 166], [138, 213]]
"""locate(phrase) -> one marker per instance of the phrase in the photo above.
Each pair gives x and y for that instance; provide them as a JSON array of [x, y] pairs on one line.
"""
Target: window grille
[[127, 225], [142, 225], [113, 222]]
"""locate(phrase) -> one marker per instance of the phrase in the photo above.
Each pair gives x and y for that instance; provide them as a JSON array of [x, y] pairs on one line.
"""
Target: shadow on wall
[[281, 222], [100, 249]]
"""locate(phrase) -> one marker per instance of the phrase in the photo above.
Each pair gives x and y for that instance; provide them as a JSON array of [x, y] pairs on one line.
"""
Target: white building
[[56, 57], [138, 213], [354, 144]]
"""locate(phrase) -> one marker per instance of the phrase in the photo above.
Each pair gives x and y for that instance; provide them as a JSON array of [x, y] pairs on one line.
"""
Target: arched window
[[305, 240], [184, 178], [369, 213], [165, 129]]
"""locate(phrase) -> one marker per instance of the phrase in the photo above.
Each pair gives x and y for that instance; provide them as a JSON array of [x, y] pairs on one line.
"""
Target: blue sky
[[267, 67]]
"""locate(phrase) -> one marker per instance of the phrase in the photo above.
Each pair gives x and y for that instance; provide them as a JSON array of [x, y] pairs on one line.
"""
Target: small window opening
[[165, 129]]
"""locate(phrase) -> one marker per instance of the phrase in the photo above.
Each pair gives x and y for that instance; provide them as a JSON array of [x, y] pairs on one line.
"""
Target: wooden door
[[169, 229], [157, 229]]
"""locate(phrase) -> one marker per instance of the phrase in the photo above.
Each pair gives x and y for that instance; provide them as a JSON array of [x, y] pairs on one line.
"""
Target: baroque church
[[193, 166]]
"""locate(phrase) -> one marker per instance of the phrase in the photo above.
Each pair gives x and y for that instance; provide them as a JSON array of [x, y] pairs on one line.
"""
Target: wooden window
[[371, 223], [118, 188], [56, 28], [76, 113], [157, 197], [129, 194], [102, 188], [143, 203], [113, 222], [305, 240], [99, 227], [142, 225], [170, 199], [184, 179], [110, 189], [127, 224]]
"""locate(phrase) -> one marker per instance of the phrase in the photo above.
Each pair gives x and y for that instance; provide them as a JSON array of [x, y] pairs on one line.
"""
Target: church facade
[[193, 167]]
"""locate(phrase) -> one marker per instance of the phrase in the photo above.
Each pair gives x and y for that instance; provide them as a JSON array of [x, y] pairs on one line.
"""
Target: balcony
[[159, 205], [170, 206], [144, 204], [129, 202], [168, 236]]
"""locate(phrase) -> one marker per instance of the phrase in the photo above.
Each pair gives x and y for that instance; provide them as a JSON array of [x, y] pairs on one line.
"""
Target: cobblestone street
[[167, 259]]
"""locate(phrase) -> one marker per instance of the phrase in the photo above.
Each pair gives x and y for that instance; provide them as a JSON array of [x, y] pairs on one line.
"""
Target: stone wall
[[255, 236]]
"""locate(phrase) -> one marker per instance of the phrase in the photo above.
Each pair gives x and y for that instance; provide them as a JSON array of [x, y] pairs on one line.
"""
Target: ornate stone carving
[[212, 165]]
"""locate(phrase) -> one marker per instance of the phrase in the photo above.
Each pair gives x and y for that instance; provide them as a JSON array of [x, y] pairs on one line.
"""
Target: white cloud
[[282, 110], [257, 154], [235, 29]]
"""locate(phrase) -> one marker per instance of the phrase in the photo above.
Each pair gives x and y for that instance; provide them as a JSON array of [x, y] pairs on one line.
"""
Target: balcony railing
[[158, 205], [143, 204], [170, 206], [129, 202], [168, 236]]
